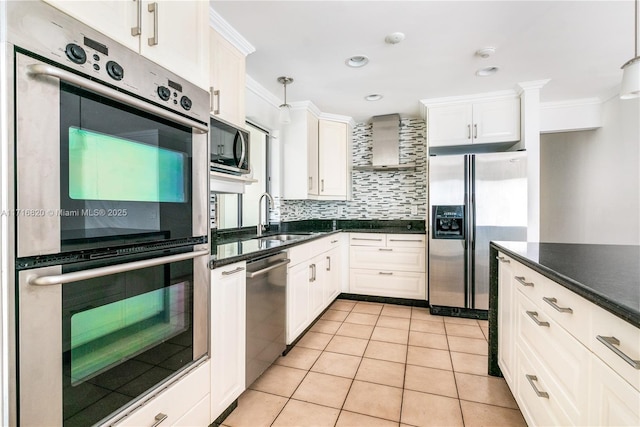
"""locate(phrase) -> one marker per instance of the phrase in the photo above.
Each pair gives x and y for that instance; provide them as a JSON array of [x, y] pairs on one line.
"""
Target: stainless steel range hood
[[386, 145]]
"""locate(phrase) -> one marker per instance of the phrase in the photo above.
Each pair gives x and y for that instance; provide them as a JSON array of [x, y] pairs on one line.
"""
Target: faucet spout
[[261, 225]]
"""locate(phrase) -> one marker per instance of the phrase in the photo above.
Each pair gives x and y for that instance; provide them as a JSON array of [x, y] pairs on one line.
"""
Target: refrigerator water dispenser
[[448, 222]]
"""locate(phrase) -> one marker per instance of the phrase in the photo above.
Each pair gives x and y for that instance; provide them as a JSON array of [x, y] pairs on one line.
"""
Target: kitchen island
[[564, 330]]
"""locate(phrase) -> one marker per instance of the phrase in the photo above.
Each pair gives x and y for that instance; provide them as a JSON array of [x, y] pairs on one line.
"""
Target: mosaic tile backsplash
[[376, 194]]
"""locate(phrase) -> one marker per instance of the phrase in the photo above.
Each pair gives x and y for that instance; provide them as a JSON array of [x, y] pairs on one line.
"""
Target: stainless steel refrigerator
[[473, 199]]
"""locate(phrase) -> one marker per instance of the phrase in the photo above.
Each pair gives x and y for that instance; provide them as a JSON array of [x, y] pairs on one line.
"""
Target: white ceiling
[[579, 45]]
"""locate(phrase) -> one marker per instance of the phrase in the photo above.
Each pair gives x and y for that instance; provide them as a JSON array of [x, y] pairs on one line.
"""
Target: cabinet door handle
[[311, 279], [137, 30], [522, 281], [153, 8], [328, 263], [503, 259], [385, 273], [230, 272], [405, 240], [553, 303], [363, 238], [611, 343], [334, 241], [475, 131], [310, 183], [385, 249], [159, 419], [531, 379], [322, 185], [533, 315], [468, 131], [214, 107]]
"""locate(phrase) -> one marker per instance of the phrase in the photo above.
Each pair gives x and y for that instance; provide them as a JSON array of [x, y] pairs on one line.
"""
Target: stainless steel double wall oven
[[110, 212]]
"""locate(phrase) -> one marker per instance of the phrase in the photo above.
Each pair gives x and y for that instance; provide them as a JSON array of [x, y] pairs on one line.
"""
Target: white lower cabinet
[[176, 402], [228, 319], [506, 318], [549, 352], [314, 279], [199, 415], [388, 265], [612, 400]]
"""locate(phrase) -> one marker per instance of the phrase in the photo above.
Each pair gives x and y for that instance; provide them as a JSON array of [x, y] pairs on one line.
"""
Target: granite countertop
[[232, 246], [607, 275]]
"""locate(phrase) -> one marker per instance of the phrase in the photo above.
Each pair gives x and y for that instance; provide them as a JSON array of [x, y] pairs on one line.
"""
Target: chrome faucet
[[261, 226]]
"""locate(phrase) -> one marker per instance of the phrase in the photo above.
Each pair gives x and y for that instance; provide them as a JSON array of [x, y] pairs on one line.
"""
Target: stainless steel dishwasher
[[266, 313]]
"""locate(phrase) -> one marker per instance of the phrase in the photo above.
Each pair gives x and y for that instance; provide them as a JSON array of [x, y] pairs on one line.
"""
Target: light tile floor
[[369, 364]]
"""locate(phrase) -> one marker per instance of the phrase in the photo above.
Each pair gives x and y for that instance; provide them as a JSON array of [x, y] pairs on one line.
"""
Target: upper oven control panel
[[40, 29]]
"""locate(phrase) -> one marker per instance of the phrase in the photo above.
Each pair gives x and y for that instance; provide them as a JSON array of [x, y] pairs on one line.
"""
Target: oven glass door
[[125, 176], [100, 340], [122, 333]]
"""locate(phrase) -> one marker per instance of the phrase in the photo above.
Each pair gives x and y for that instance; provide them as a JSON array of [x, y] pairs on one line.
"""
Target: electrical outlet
[[414, 210]]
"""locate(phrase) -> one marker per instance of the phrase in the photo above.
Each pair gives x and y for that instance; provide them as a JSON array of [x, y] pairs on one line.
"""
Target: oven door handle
[[49, 70], [112, 269]]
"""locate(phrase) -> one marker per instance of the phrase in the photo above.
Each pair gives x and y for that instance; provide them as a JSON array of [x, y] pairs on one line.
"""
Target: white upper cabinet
[[317, 157], [333, 159], [227, 80], [173, 34], [475, 122]]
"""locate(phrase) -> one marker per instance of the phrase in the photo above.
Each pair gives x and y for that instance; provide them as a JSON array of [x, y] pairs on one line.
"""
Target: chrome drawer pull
[[334, 241], [362, 238], [230, 272], [503, 259], [610, 343], [521, 280], [159, 419], [405, 240], [531, 379], [386, 249], [552, 302], [385, 273], [532, 315]]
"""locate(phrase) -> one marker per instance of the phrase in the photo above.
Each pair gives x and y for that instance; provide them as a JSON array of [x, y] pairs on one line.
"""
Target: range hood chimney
[[386, 144]]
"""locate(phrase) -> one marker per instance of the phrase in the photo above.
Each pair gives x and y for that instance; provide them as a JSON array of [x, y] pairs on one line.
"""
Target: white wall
[[590, 180]]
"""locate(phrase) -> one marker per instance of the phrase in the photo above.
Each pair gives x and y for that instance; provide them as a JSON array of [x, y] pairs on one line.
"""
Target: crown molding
[[338, 118], [306, 105], [222, 27], [465, 98], [255, 87], [570, 103], [531, 85]]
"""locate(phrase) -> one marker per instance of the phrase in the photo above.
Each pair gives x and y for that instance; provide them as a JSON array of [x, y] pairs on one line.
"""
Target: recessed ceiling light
[[394, 38], [357, 61], [487, 71], [373, 97], [486, 52]]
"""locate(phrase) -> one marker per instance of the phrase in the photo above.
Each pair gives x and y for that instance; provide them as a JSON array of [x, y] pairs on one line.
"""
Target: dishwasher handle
[[252, 274]]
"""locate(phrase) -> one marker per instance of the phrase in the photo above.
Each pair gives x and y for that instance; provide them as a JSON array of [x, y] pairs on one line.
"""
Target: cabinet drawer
[[529, 282], [563, 356], [569, 310], [175, 401], [324, 244], [618, 346], [532, 382], [405, 240], [612, 401], [298, 254], [368, 239], [199, 415], [393, 284], [381, 259]]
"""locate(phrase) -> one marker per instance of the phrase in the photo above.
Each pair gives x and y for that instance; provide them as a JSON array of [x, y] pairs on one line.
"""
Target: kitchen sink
[[285, 237]]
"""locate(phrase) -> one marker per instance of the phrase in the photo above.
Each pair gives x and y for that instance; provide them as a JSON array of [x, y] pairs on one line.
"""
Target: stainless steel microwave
[[229, 146]]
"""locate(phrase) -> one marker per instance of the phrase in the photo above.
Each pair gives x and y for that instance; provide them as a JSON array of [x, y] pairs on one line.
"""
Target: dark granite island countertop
[[606, 275]]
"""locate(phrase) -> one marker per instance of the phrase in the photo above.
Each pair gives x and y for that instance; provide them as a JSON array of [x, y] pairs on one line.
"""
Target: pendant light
[[630, 87], [285, 109]]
